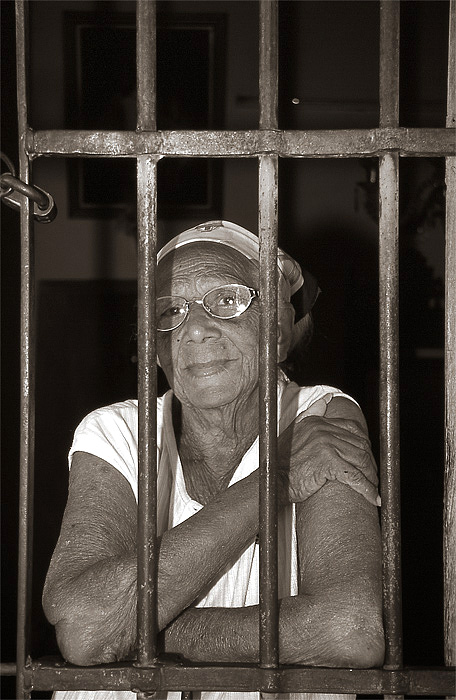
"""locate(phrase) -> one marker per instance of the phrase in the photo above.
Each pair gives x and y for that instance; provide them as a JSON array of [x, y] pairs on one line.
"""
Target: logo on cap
[[210, 226]]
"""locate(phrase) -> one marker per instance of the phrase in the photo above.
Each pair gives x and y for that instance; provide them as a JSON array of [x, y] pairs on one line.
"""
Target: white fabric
[[111, 434], [235, 236]]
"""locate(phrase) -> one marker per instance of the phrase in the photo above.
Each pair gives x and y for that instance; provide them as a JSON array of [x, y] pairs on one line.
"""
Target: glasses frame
[[253, 294]]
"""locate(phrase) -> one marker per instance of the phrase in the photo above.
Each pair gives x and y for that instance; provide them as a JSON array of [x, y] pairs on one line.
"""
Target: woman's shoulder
[[307, 395], [125, 409], [295, 399], [120, 412]]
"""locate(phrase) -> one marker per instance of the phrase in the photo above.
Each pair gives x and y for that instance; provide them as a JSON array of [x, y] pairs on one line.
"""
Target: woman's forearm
[[194, 554], [93, 604], [314, 632]]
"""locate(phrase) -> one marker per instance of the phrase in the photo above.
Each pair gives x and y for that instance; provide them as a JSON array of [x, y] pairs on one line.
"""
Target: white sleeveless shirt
[[111, 433]]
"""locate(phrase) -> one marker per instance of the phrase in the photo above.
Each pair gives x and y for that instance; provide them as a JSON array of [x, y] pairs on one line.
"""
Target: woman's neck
[[212, 442]]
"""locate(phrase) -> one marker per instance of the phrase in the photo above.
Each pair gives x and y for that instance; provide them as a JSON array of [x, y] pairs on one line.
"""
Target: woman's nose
[[199, 325]]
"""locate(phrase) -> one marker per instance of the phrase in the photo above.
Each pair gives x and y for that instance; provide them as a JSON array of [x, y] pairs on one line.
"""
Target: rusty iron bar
[[147, 411], [449, 509], [269, 64], [449, 512], [330, 143], [389, 336], [8, 669], [146, 49], [389, 62], [389, 407], [147, 628], [411, 681], [268, 233], [27, 351], [268, 227]]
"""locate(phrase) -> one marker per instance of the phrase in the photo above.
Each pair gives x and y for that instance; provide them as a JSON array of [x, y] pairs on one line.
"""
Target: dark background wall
[[86, 267]]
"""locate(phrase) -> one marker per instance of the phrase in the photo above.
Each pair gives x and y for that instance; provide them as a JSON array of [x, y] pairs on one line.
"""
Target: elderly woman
[[207, 430]]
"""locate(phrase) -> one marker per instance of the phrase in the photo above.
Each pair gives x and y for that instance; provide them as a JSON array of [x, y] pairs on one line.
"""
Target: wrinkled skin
[[325, 463], [209, 362]]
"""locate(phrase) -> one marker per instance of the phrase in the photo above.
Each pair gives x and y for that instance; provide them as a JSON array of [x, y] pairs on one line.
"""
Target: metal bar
[[27, 409], [269, 613], [389, 407], [8, 669], [269, 64], [267, 227], [146, 32], [389, 62], [410, 681], [350, 143], [147, 411], [449, 508], [389, 337]]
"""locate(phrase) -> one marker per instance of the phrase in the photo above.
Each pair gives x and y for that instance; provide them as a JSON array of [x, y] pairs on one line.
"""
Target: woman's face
[[209, 362]]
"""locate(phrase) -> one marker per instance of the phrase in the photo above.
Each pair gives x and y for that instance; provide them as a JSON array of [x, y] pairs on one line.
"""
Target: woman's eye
[[227, 300], [174, 310], [171, 311]]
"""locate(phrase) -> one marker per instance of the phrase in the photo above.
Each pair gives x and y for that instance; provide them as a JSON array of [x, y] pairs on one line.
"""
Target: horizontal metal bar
[[349, 143], [8, 669], [412, 681]]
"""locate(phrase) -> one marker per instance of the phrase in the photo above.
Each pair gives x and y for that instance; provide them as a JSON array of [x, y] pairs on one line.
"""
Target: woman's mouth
[[208, 368]]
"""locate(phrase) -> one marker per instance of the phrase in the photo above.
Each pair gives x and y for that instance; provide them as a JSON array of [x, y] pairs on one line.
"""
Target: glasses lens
[[171, 312], [228, 301]]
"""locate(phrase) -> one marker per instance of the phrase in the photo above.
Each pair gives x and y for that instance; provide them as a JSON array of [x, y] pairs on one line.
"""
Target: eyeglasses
[[228, 301]]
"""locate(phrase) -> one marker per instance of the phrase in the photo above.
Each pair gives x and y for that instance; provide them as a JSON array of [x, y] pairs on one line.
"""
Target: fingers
[[350, 430], [335, 460], [329, 449], [362, 460], [352, 477], [329, 437]]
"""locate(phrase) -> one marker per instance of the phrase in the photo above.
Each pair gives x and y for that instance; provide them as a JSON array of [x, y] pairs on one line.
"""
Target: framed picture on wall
[[100, 80]]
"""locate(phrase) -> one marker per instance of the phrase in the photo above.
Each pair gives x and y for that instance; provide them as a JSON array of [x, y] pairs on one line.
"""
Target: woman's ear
[[286, 315]]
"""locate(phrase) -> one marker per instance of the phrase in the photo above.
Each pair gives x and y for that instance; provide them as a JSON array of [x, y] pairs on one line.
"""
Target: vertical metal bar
[[27, 446], [269, 647], [389, 407], [146, 49], [268, 226], [269, 64], [147, 411], [449, 513], [147, 379], [389, 337], [389, 62]]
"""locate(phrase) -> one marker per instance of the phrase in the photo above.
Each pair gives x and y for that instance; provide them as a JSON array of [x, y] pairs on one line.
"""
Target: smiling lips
[[202, 369]]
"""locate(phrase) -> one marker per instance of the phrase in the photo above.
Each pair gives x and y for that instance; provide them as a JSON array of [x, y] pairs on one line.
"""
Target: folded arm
[[90, 590], [336, 620]]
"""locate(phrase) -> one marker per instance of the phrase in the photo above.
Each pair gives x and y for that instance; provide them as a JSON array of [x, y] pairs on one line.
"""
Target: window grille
[[267, 144]]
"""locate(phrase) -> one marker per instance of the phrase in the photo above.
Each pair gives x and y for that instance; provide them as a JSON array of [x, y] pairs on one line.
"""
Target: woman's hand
[[315, 449]]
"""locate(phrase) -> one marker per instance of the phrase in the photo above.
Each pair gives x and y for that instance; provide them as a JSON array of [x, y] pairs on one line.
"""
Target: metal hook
[[12, 171], [36, 194], [13, 189]]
